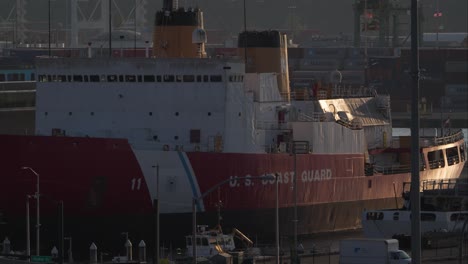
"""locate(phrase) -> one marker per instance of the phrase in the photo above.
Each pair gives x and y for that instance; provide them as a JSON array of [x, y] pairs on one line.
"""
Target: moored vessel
[[444, 210], [114, 134]]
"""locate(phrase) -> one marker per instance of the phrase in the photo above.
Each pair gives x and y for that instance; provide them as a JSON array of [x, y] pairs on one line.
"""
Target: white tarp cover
[[330, 137], [264, 86], [366, 109], [239, 121]]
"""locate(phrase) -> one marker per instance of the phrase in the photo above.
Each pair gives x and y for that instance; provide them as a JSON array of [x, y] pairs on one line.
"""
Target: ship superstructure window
[[374, 216], [103, 78], [12, 76], [428, 217], [139, 78], [458, 217], [94, 78], [178, 78], [42, 78], [158, 78], [61, 78], [168, 78], [199, 78], [148, 78], [396, 216], [235, 78], [195, 135], [216, 78], [86, 78], [462, 152], [436, 159], [111, 78], [452, 156], [121, 78], [205, 78], [130, 78], [77, 78], [2, 77], [189, 78]]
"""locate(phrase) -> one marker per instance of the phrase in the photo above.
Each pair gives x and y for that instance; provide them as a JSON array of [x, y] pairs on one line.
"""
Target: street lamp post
[[298, 147], [70, 256], [28, 236], [38, 225], [156, 205], [196, 199], [277, 220], [295, 206]]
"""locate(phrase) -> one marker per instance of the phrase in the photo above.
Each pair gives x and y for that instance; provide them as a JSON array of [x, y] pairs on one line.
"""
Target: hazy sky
[[327, 16]]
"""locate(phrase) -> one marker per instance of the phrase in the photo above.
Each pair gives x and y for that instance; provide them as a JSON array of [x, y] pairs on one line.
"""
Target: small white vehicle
[[372, 251]]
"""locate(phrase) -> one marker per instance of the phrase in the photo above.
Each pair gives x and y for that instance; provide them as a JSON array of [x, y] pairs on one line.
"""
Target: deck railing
[[272, 125], [434, 141], [456, 187], [453, 137]]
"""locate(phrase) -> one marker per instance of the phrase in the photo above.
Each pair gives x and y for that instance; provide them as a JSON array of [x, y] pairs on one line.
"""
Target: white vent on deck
[[199, 36]]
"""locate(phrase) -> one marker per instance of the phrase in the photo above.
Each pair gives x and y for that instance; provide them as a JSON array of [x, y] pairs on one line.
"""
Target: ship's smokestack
[[267, 51], [178, 33]]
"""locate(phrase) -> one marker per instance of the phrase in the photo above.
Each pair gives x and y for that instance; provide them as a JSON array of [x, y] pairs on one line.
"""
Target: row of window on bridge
[[138, 78]]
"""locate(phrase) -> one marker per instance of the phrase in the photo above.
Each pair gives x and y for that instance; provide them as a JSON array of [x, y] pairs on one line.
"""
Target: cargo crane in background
[[83, 19], [381, 20]]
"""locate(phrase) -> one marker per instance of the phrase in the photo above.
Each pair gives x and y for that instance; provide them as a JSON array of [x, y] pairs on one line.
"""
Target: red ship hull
[[95, 178]]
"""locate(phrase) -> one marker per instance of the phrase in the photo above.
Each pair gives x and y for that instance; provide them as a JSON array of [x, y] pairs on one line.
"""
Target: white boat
[[210, 242], [444, 209]]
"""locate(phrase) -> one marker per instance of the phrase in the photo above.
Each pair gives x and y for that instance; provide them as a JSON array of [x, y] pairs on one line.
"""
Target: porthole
[[209, 113], [239, 114], [92, 113], [46, 113], [150, 113], [155, 137], [70, 113], [177, 113], [176, 137]]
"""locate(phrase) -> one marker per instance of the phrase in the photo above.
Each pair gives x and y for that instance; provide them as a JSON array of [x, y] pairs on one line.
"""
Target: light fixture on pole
[[38, 225]]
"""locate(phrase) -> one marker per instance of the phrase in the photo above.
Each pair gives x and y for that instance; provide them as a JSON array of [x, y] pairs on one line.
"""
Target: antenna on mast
[[110, 28], [245, 31]]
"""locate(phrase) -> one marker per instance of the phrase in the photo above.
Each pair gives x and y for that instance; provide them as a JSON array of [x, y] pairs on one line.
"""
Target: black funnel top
[[262, 39]]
